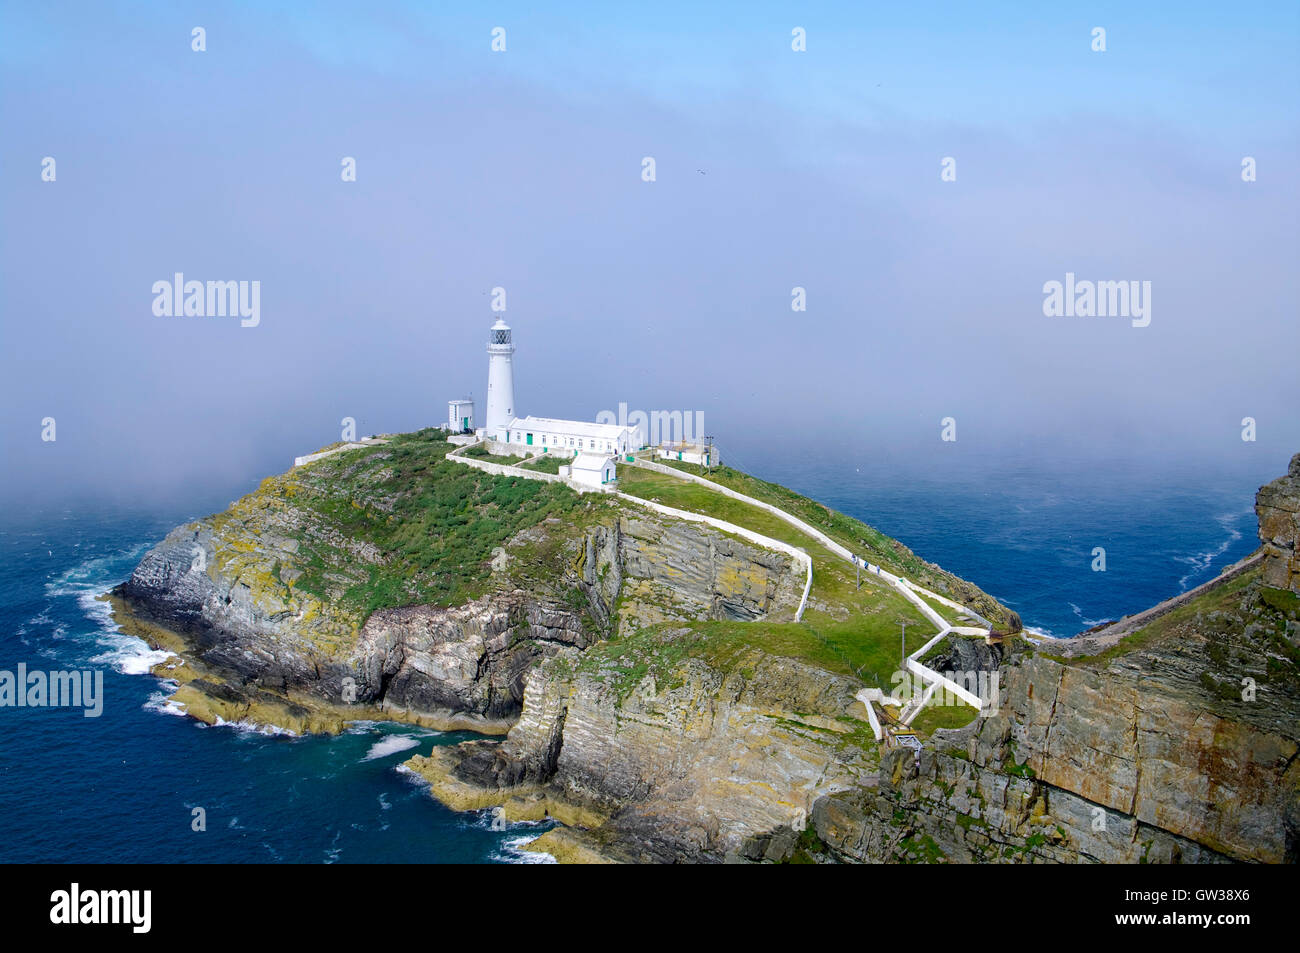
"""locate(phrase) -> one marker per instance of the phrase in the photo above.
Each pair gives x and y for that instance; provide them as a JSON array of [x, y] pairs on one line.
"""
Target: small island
[[671, 691]]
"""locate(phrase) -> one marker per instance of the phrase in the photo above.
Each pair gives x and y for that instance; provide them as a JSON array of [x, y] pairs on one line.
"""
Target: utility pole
[[857, 570]]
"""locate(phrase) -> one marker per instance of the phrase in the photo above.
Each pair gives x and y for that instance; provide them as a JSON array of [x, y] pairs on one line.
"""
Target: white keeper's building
[[686, 453], [570, 437]]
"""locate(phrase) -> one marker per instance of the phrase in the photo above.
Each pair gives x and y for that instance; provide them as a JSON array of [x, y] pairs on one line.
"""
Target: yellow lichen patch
[[733, 580], [539, 807]]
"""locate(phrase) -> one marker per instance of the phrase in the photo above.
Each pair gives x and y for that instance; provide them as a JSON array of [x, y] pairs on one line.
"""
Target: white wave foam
[[389, 746], [95, 575], [87, 582], [249, 727], [512, 852], [1201, 562], [161, 702], [1086, 623], [129, 655]]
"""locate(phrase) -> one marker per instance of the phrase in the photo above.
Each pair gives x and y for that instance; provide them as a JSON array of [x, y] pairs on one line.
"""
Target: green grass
[[550, 463], [480, 452], [727, 645], [934, 716], [860, 648], [433, 521]]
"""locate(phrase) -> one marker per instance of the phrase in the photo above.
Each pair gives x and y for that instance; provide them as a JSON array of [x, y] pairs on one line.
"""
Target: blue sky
[[522, 169]]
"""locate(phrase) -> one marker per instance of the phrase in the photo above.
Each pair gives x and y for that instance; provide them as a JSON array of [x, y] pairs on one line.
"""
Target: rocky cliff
[[1172, 739], [1278, 507], [656, 696], [461, 665]]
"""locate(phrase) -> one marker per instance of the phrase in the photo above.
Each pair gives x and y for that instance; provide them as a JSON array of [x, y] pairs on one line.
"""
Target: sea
[[142, 783]]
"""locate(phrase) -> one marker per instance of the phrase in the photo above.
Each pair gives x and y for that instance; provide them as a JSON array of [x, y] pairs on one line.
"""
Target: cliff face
[[1278, 507], [679, 752], [551, 589], [1176, 742], [1137, 762]]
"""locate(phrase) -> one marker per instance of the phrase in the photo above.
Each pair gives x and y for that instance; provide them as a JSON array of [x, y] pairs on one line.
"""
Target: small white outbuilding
[[460, 415], [593, 469], [687, 453]]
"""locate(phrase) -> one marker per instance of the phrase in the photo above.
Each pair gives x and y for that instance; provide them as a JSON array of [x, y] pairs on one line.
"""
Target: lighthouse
[[504, 433], [501, 381]]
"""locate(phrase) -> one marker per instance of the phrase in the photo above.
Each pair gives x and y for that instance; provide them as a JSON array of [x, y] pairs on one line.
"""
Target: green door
[[464, 423], [530, 440]]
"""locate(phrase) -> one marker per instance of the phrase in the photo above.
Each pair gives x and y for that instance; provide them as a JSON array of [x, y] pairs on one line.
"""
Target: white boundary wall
[[505, 469], [905, 588], [931, 675], [865, 696], [363, 442], [781, 514]]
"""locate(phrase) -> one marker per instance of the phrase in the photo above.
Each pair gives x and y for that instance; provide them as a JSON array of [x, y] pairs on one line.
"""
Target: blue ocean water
[[123, 787]]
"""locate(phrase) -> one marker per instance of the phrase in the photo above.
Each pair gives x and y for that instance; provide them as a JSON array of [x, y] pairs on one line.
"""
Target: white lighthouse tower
[[501, 381]]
